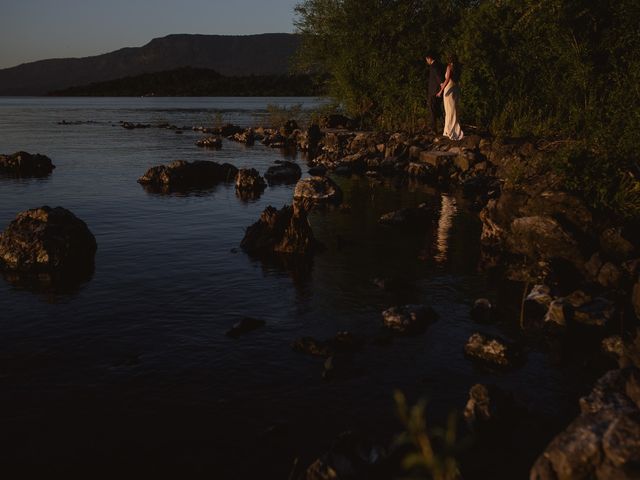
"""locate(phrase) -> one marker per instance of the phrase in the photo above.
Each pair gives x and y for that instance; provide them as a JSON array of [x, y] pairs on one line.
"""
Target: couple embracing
[[447, 88]]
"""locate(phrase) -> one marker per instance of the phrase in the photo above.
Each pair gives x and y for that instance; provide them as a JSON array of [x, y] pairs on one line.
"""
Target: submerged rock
[[411, 217], [317, 190], [245, 325], [47, 240], [283, 172], [491, 350], [24, 164], [342, 343], [280, 231], [408, 319], [181, 175]]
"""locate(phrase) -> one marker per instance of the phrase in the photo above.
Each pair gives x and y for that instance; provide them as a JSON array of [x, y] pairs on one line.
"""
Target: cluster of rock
[[577, 309], [181, 175], [24, 164]]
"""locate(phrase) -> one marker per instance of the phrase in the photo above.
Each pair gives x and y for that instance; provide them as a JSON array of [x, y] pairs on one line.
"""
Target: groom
[[435, 79]]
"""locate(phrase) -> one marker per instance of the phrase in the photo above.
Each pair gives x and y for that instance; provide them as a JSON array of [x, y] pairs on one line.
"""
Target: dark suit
[[434, 103]]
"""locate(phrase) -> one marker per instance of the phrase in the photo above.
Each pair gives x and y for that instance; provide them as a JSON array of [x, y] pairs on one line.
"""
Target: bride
[[451, 92]]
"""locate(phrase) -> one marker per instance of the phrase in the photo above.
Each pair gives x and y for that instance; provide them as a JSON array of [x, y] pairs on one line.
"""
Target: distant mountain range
[[229, 55], [200, 82]]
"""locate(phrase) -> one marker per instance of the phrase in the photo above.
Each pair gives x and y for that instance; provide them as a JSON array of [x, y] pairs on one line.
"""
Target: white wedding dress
[[452, 128]]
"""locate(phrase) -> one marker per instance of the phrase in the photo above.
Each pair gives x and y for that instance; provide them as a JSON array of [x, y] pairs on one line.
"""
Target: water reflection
[[166, 190], [50, 283], [448, 211]]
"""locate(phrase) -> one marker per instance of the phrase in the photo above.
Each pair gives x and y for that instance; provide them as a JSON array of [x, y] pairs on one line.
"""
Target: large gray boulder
[[604, 441], [542, 237], [47, 240], [284, 172], [181, 175], [24, 164]]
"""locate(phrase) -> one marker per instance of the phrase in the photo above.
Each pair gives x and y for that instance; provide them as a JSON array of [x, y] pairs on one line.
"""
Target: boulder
[[609, 275], [317, 190], [635, 298], [482, 310], [249, 183], [491, 350], [210, 142], [613, 347], [604, 441], [245, 325], [419, 170], [568, 210], [181, 175], [284, 172], [23, 164], [408, 319], [247, 137], [280, 231], [488, 408], [596, 313], [438, 159], [542, 237], [615, 246], [47, 240], [411, 217], [556, 315]]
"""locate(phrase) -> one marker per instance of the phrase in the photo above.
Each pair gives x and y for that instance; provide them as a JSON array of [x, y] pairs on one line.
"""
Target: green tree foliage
[[374, 52], [566, 69]]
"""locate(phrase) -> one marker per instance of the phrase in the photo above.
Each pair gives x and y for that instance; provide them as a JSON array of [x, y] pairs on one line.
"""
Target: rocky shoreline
[[580, 269]]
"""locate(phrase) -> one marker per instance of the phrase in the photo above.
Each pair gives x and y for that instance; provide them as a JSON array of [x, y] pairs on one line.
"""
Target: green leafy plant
[[431, 452]]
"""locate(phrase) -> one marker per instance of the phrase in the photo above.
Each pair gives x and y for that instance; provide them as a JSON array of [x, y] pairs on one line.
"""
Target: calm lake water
[[133, 368]]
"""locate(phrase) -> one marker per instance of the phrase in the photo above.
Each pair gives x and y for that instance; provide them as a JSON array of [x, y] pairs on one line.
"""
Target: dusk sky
[[39, 29]]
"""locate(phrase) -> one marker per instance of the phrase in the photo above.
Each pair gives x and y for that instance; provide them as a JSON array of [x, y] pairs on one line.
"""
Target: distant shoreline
[[200, 82]]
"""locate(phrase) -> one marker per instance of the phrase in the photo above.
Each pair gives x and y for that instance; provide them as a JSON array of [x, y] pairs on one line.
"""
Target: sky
[[39, 29]]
